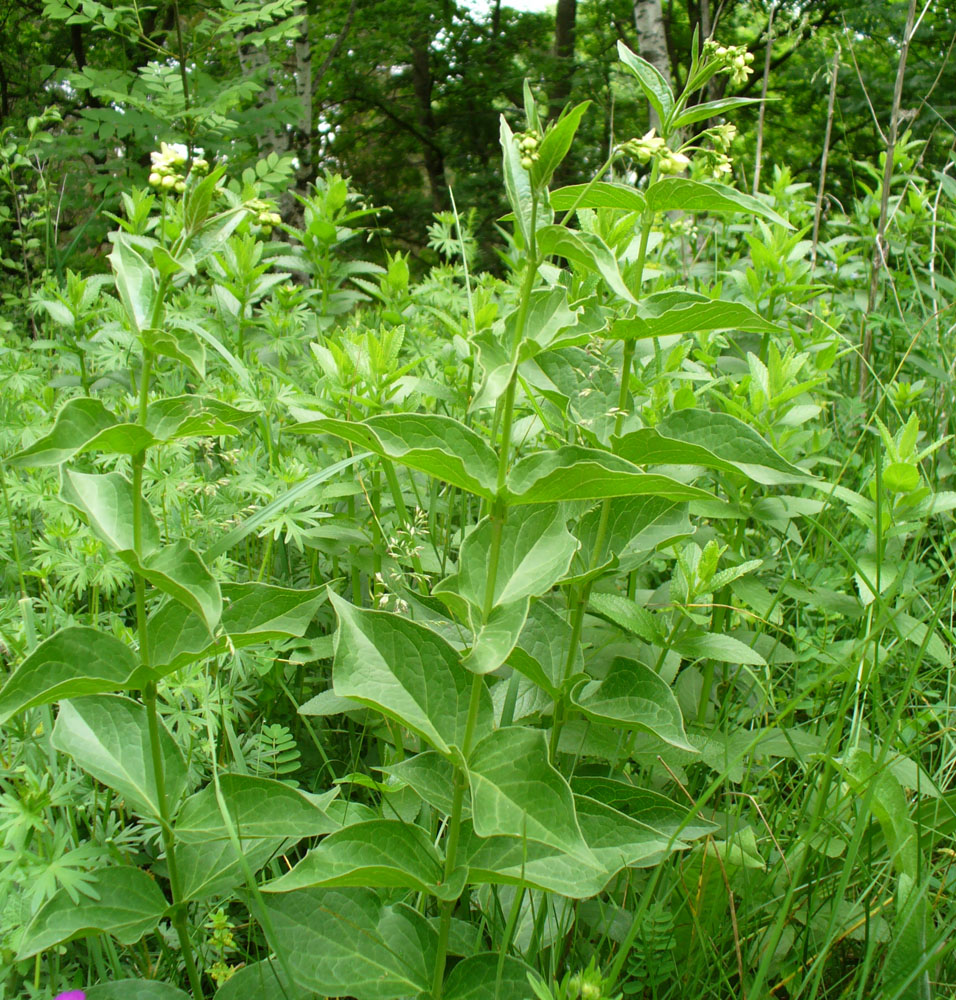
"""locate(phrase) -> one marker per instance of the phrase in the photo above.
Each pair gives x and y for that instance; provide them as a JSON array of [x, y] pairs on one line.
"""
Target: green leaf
[[177, 417], [135, 989], [619, 841], [258, 979], [599, 194], [667, 314], [106, 501], [347, 942], [587, 251], [135, 282], [542, 650], [77, 422], [628, 615], [477, 978], [74, 661], [259, 808], [901, 477], [517, 793], [632, 695], [681, 194], [108, 737], [575, 473], [497, 637], [440, 446], [178, 570], [517, 182], [656, 89], [213, 868], [407, 672], [129, 905], [714, 440], [384, 853], [651, 808], [431, 776], [536, 551], [717, 646], [711, 109], [556, 143]]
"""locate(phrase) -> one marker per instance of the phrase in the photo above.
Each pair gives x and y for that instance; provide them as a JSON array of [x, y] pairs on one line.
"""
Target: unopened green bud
[[155, 180]]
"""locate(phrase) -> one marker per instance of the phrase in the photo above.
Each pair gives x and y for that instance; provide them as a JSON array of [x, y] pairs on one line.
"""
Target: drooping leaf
[[587, 251], [405, 671], [212, 868], [693, 434], [670, 313], [431, 776], [178, 570], [384, 853], [74, 661], [129, 905], [77, 422], [108, 737], [575, 473], [347, 942], [477, 978], [681, 194], [535, 552], [257, 807], [437, 445], [632, 695], [497, 637], [541, 654], [176, 417], [106, 501], [516, 792], [252, 613], [599, 194]]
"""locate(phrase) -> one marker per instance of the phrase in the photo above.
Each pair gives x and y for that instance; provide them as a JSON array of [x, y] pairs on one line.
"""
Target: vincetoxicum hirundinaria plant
[[491, 694], [486, 678]]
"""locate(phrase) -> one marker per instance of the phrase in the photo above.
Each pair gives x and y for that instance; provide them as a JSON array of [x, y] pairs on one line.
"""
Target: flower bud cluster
[[652, 146], [265, 214], [723, 136], [712, 164], [529, 144], [166, 167], [734, 58]]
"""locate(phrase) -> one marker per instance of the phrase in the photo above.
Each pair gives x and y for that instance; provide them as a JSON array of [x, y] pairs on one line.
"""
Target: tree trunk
[[564, 25], [652, 40], [422, 83]]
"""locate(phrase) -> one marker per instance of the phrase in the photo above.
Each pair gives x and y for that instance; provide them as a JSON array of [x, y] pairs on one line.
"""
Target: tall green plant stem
[[582, 595], [499, 511], [149, 692]]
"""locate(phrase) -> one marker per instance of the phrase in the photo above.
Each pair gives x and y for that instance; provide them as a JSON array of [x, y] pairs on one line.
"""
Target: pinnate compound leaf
[[407, 672], [135, 989], [536, 551], [73, 662], [347, 942], [438, 445], [656, 89], [517, 793], [681, 194], [632, 695], [130, 904], [575, 473], [600, 194], [260, 808], [384, 853], [476, 978], [108, 737]]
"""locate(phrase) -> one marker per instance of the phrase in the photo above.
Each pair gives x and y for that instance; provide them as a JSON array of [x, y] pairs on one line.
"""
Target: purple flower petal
[[71, 995]]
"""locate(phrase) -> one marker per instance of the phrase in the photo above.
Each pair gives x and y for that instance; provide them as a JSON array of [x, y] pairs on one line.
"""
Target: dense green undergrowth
[[577, 632]]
